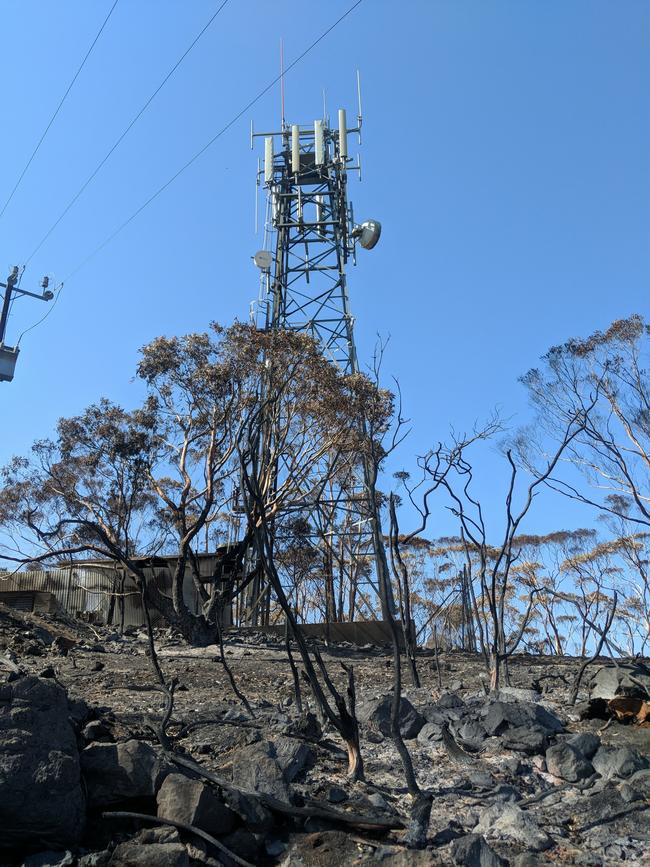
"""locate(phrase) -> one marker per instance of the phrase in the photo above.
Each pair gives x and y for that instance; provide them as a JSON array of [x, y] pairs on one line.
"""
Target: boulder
[[255, 768], [586, 743], [305, 726], [97, 731], [336, 795], [508, 821], [513, 693], [618, 762], [528, 859], [41, 799], [470, 732], [640, 780], [631, 679], [565, 761], [430, 733], [120, 772], [376, 712], [257, 817], [433, 714], [135, 854], [292, 756], [242, 843], [523, 739], [193, 803], [502, 715], [95, 859], [448, 700], [472, 851]]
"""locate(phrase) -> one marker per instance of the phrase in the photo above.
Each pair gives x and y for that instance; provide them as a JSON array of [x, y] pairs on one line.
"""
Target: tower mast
[[310, 237]]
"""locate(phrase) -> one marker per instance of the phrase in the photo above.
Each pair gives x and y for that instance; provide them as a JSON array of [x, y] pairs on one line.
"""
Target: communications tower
[[310, 237]]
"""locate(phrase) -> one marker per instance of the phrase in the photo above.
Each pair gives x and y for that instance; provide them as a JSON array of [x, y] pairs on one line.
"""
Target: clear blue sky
[[506, 152]]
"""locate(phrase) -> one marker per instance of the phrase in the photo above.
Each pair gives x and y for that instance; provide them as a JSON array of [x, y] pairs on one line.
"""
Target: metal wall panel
[[87, 591]]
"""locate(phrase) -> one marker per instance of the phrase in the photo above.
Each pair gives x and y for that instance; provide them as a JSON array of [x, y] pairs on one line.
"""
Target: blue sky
[[505, 152]]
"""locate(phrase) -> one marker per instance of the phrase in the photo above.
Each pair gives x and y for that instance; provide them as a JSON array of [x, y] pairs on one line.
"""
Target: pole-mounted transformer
[[12, 290]]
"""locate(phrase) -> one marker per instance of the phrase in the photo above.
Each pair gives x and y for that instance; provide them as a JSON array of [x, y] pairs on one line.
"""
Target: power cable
[[209, 144], [50, 310], [58, 109], [123, 135]]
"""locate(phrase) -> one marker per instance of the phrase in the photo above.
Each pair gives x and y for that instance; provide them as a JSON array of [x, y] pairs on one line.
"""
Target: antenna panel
[[343, 134], [319, 143]]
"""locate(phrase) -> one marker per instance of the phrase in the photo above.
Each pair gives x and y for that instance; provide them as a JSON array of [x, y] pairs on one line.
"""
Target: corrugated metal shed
[[103, 592]]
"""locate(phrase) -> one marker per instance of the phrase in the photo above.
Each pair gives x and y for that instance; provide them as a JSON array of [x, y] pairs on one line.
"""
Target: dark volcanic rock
[[632, 680], [470, 732], [242, 843], [256, 816], [449, 700], [511, 693], [267, 766], [641, 782], [430, 733], [336, 795], [502, 715], [41, 800], [134, 854], [508, 821], [433, 714], [586, 743], [376, 712], [292, 756], [565, 761], [97, 731], [120, 772], [258, 771], [194, 803], [523, 739], [618, 762], [472, 851]]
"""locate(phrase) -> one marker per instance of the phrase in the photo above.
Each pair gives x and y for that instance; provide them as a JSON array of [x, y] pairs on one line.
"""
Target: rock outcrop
[[42, 805]]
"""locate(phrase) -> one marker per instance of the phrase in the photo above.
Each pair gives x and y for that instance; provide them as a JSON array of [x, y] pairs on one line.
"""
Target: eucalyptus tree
[[300, 436], [493, 554], [604, 378], [129, 485]]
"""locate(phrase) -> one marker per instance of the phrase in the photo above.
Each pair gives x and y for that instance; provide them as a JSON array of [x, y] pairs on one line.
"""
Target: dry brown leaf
[[627, 709]]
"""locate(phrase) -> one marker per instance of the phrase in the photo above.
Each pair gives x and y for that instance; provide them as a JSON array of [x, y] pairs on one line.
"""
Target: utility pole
[[9, 354], [9, 286]]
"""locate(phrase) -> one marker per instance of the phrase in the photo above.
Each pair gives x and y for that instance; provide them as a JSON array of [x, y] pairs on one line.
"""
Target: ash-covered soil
[[517, 778]]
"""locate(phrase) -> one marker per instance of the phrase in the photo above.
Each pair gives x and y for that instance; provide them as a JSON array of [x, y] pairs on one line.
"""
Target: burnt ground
[[605, 820]]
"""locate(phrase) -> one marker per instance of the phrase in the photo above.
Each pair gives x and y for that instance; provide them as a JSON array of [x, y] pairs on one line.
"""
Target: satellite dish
[[368, 233], [263, 260]]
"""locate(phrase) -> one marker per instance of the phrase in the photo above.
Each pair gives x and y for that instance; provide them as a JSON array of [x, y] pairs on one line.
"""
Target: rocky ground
[[520, 777]]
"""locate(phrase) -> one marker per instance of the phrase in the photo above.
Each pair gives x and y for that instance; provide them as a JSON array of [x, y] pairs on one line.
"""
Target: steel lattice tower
[[309, 238], [310, 226]]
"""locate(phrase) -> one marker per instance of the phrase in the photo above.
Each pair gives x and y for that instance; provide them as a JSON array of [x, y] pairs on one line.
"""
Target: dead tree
[[494, 562]]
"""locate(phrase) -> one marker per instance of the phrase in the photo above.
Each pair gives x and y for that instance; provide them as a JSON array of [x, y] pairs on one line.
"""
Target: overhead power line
[[123, 135], [58, 109], [231, 122], [209, 144]]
